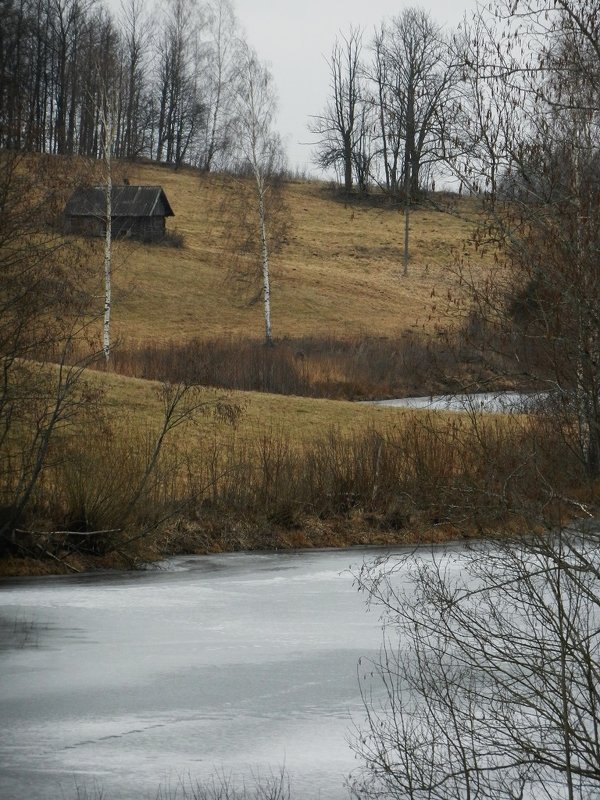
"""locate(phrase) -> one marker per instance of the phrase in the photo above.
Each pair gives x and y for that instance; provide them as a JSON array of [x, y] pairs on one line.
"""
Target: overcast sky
[[295, 37]]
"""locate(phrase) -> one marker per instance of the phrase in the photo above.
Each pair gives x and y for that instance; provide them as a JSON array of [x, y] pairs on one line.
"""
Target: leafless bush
[[173, 238], [468, 475], [485, 684], [352, 368], [45, 310], [274, 786], [117, 483]]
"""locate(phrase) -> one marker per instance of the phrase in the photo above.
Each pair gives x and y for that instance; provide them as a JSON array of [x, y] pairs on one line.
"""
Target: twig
[[68, 533], [60, 560]]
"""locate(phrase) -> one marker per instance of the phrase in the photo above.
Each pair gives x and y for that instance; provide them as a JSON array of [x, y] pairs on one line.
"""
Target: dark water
[[239, 663]]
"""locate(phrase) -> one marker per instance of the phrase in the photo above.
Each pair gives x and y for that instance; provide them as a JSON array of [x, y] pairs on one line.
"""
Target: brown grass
[[303, 419], [362, 368], [338, 275], [294, 471]]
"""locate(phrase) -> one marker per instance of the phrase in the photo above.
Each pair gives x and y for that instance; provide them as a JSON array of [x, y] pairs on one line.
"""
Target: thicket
[[425, 477], [352, 368]]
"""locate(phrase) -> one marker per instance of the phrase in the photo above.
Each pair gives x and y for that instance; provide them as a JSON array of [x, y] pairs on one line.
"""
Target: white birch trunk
[[108, 133], [260, 149], [264, 250], [107, 269]]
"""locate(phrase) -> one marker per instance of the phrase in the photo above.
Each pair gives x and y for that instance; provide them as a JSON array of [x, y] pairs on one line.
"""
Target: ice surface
[[238, 662]]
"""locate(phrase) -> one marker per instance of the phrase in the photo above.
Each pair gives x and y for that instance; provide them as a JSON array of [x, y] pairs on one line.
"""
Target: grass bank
[[338, 272], [253, 471]]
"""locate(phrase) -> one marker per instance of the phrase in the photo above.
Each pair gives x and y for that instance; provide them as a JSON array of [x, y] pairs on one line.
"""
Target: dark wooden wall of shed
[[146, 229], [85, 226]]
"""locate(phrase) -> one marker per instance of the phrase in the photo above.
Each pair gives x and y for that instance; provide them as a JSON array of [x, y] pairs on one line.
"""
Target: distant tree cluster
[[495, 107], [169, 78], [386, 121]]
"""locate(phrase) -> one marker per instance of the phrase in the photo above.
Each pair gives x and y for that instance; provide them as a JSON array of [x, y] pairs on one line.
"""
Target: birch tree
[[107, 112], [260, 156], [108, 144]]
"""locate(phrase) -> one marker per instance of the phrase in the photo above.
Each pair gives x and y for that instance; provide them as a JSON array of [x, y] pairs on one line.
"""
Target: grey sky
[[294, 38]]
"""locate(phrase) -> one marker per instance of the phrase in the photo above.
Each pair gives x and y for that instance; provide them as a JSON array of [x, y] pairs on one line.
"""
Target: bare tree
[[421, 75], [337, 125], [136, 37], [487, 684], [260, 155], [532, 151], [180, 105], [389, 123], [221, 75], [45, 308], [485, 115], [414, 74]]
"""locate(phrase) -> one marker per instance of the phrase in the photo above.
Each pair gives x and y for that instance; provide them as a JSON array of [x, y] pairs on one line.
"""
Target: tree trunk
[[264, 251], [347, 164], [108, 133], [407, 194]]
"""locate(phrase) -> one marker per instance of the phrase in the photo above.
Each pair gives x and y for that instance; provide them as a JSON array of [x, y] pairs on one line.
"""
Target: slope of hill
[[339, 273], [292, 471]]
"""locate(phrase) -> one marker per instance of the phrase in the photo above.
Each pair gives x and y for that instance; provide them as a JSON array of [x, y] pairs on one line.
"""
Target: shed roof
[[127, 201]]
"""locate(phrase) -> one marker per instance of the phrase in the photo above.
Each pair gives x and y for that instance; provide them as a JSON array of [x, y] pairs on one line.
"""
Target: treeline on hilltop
[[167, 78], [489, 107], [409, 105]]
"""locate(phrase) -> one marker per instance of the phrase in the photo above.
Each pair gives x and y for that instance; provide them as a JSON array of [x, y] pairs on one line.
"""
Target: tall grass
[[220, 786], [426, 469], [451, 474], [349, 368]]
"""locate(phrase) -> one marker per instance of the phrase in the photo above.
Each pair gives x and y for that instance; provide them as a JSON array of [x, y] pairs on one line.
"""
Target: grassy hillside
[[339, 274], [302, 419], [292, 471]]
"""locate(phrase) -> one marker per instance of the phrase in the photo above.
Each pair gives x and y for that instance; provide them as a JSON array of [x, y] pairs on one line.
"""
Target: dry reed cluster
[[426, 476]]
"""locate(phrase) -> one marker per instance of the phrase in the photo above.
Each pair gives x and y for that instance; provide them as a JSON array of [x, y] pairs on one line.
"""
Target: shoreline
[[183, 538]]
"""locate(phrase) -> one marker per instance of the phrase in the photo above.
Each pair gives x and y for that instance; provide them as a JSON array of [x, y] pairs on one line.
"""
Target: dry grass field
[[301, 419], [290, 470], [339, 273]]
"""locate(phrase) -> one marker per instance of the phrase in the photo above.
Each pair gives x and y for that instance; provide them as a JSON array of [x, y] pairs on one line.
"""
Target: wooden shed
[[138, 212]]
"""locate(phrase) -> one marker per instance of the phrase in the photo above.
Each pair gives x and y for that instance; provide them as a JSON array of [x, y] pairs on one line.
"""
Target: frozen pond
[[128, 681], [493, 402]]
